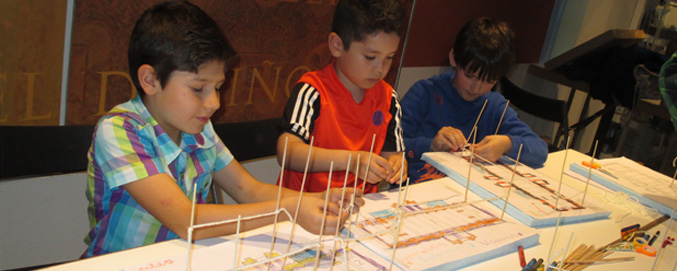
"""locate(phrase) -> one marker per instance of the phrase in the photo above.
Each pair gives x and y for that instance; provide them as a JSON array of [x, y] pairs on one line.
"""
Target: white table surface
[[598, 233]]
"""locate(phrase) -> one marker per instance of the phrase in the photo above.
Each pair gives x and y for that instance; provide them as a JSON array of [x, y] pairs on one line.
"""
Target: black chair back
[[543, 107]]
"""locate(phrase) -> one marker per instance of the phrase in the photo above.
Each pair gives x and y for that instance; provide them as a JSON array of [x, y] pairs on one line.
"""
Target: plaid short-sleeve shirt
[[129, 145]]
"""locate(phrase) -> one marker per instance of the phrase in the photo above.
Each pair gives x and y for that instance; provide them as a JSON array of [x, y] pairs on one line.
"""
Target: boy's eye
[[370, 57]]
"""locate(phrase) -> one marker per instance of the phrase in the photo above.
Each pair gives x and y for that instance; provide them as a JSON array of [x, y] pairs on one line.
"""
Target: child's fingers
[[358, 201], [378, 170], [400, 176], [333, 208], [458, 140]]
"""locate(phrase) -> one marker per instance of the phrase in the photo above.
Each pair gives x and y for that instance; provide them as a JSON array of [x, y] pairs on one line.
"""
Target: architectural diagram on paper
[[253, 253], [534, 198], [438, 231], [650, 187], [429, 221]]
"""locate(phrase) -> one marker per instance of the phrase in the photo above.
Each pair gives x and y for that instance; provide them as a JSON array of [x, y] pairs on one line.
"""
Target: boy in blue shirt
[[440, 112], [147, 154]]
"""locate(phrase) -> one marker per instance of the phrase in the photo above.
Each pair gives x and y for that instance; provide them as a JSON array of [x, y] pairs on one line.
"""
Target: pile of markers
[[634, 239]]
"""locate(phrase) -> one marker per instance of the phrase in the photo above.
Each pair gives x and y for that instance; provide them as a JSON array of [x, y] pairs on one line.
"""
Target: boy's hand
[[337, 194], [395, 160], [493, 146], [448, 139], [312, 210], [379, 168]]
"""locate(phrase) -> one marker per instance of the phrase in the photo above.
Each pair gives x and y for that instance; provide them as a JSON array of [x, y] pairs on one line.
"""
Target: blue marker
[[537, 265], [529, 265]]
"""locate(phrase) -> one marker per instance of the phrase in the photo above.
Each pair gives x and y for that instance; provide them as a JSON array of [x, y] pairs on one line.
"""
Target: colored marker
[[529, 265], [538, 264], [520, 252], [625, 232], [653, 238]]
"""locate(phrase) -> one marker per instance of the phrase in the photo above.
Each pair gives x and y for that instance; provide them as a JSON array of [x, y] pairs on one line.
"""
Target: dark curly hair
[[355, 19]]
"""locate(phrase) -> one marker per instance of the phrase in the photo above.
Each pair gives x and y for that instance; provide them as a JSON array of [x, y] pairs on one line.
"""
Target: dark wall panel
[[437, 22]]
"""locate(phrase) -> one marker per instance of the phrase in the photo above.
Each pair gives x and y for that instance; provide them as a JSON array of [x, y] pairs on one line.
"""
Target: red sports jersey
[[336, 121]]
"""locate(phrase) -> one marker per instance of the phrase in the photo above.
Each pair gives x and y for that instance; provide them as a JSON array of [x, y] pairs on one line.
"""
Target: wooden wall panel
[[31, 57], [277, 41]]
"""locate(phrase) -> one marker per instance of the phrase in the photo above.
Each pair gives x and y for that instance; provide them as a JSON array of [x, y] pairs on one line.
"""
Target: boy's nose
[[380, 67], [213, 102], [475, 86], [478, 86]]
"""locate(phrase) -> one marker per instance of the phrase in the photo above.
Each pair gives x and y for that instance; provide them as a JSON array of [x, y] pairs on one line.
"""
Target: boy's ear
[[148, 80], [335, 44], [452, 62]]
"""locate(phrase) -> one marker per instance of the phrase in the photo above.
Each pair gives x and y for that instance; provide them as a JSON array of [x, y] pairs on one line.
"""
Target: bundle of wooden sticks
[[584, 256]]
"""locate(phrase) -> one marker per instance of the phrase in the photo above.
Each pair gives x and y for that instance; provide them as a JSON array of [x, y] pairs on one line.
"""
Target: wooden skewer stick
[[277, 206], [190, 228], [587, 182], [298, 204], [406, 192], [584, 254], [595, 256], [324, 217], [402, 169], [478, 120], [467, 143], [559, 217], [571, 237], [472, 155], [352, 200], [512, 179], [237, 242], [559, 189], [554, 236], [338, 222], [366, 173], [610, 260], [502, 115], [398, 227], [576, 254]]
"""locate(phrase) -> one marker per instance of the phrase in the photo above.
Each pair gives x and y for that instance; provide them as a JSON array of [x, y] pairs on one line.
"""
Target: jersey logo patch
[[377, 118]]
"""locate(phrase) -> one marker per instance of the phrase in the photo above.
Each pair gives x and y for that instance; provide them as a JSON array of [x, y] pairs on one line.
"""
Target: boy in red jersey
[[345, 104]]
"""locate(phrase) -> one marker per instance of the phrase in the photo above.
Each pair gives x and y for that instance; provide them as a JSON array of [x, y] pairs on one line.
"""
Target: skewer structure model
[[339, 244]]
